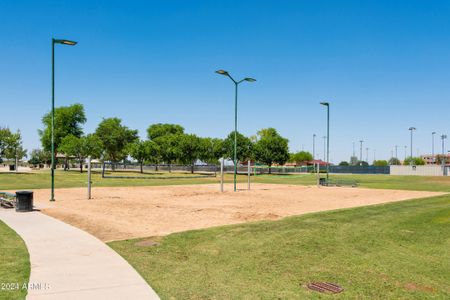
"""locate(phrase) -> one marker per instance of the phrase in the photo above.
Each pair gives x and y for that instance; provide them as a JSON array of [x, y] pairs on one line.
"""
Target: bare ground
[[117, 213]]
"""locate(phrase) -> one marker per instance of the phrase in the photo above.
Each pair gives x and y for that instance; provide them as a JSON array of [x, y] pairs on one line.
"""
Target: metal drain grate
[[325, 287]]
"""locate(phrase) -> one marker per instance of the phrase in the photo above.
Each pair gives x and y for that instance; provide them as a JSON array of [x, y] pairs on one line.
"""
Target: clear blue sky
[[383, 65]]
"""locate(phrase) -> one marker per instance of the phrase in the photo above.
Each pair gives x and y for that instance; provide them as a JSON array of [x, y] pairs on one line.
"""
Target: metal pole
[[324, 147], [248, 173], [432, 147], [52, 197], [314, 146], [89, 177], [235, 133], [367, 155], [396, 154], [411, 143], [328, 141], [221, 174]]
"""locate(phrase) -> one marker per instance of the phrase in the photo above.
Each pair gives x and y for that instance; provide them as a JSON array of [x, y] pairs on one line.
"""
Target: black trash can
[[12, 167], [24, 201], [323, 181]]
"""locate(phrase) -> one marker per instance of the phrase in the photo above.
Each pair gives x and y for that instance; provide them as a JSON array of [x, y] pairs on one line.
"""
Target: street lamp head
[[325, 103], [222, 72], [65, 42], [412, 128], [249, 79], [444, 136], [433, 133]]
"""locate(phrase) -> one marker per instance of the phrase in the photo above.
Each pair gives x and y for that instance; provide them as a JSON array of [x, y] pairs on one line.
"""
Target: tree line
[[165, 143]]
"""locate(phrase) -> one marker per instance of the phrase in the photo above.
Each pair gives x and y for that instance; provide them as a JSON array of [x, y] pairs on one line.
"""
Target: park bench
[[7, 200]]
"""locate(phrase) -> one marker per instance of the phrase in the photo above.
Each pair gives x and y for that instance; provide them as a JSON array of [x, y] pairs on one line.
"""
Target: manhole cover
[[325, 287]]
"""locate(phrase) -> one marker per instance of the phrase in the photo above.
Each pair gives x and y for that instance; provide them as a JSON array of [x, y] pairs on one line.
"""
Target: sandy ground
[[128, 212]]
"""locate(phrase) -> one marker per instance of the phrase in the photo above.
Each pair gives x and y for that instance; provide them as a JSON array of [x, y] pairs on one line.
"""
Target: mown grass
[[14, 264], [392, 251], [41, 180]]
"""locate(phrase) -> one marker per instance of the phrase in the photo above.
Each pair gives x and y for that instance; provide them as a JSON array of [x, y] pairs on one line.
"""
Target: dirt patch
[[117, 213]]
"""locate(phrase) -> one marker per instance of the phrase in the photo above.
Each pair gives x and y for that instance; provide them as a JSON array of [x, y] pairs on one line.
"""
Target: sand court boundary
[[117, 213]]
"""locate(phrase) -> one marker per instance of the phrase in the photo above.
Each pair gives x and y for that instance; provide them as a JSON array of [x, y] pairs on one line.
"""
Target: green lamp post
[[327, 104], [236, 83], [68, 43]]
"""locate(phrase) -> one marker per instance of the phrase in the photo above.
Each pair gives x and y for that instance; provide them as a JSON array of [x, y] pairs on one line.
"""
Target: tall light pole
[[412, 129], [367, 155], [406, 147], [360, 149], [327, 104], [324, 148], [396, 153], [432, 147], [236, 83], [68, 43], [314, 146]]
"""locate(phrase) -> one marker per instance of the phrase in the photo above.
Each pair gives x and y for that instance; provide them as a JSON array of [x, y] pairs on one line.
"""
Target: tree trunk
[[81, 165], [270, 170], [142, 168], [192, 168]]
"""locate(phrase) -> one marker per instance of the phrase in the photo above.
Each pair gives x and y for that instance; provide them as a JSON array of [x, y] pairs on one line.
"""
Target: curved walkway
[[68, 263]]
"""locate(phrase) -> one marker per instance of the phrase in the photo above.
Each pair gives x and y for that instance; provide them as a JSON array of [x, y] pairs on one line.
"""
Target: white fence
[[420, 170]]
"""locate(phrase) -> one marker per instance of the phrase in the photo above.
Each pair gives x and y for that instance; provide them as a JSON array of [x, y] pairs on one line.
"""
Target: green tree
[[144, 151], [13, 148], [362, 163], [380, 163], [415, 161], [68, 121], [81, 147], [115, 137], [244, 148], [394, 161], [211, 150], [5, 136], [271, 148], [157, 130], [39, 157], [344, 163], [169, 146], [300, 157], [190, 149]]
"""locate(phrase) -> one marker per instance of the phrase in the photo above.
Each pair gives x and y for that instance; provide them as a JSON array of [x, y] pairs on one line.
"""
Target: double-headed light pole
[[327, 104], [236, 84], [68, 43]]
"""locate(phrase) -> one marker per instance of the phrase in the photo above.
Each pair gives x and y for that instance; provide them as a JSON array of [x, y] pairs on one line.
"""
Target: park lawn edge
[[15, 264], [189, 238]]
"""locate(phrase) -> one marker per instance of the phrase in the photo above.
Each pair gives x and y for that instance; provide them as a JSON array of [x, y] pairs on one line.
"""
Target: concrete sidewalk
[[68, 263]]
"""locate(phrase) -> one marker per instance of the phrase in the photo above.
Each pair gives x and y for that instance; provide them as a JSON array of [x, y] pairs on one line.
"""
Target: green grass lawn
[[41, 179], [392, 251], [14, 264]]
